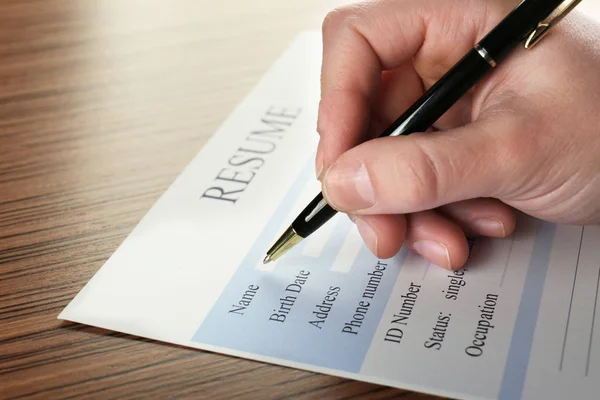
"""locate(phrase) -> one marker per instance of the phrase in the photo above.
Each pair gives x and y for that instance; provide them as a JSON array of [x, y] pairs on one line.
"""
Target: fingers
[[403, 175], [482, 217], [361, 41], [353, 59], [437, 239], [430, 234], [383, 234], [439, 236], [400, 88]]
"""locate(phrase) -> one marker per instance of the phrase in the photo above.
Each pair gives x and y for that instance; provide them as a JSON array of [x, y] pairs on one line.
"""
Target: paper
[[519, 322]]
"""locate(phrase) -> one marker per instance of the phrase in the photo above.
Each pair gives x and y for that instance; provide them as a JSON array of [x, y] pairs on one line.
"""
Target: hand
[[526, 138]]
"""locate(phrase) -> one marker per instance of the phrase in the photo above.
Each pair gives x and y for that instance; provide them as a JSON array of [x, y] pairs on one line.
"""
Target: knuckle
[[339, 18], [420, 176], [332, 19]]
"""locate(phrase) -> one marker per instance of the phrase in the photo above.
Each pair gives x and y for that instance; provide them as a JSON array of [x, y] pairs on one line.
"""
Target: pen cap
[[515, 28]]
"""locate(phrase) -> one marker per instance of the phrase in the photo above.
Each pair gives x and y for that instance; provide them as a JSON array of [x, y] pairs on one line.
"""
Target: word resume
[[520, 321]]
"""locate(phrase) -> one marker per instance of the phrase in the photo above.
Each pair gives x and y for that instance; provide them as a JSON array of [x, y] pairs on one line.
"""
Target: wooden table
[[102, 104]]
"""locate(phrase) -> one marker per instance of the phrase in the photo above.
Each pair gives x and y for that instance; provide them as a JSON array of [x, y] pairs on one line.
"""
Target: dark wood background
[[102, 104]]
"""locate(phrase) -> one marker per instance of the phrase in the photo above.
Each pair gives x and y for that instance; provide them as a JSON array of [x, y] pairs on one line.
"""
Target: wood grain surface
[[102, 104]]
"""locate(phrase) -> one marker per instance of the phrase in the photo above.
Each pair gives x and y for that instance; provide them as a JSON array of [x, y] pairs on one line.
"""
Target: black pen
[[529, 22]]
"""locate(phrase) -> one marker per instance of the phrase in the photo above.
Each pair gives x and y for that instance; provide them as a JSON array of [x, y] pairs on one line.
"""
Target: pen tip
[[267, 259]]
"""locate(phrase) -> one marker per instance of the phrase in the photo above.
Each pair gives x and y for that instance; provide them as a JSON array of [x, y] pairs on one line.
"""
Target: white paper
[[519, 322]]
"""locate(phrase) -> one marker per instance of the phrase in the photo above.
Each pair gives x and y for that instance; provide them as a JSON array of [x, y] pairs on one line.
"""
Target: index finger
[[357, 46], [361, 41]]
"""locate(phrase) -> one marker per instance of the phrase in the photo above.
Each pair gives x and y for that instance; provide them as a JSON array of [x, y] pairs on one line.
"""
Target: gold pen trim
[[485, 55], [545, 26], [285, 243]]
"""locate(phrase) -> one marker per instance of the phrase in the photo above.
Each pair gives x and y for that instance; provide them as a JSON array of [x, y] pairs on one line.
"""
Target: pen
[[530, 21]]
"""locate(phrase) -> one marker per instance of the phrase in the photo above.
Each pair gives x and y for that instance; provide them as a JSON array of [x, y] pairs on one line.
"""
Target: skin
[[527, 138]]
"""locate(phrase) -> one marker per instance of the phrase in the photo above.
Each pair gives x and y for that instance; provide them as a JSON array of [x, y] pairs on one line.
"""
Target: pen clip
[[544, 27]]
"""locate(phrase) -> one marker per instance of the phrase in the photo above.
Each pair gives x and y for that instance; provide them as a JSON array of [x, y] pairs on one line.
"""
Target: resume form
[[520, 321]]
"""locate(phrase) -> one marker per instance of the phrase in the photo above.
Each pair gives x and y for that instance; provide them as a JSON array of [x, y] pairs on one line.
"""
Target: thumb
[[407, 174]]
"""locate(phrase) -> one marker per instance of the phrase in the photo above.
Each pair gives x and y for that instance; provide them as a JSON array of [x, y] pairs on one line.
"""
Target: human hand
[[526, 138]]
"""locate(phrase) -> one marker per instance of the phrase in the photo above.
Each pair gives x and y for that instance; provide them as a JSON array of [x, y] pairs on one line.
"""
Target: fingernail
[[319, 163], [348, 186], [367, 233], [490, 226], [434, 251], [319, 171]]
